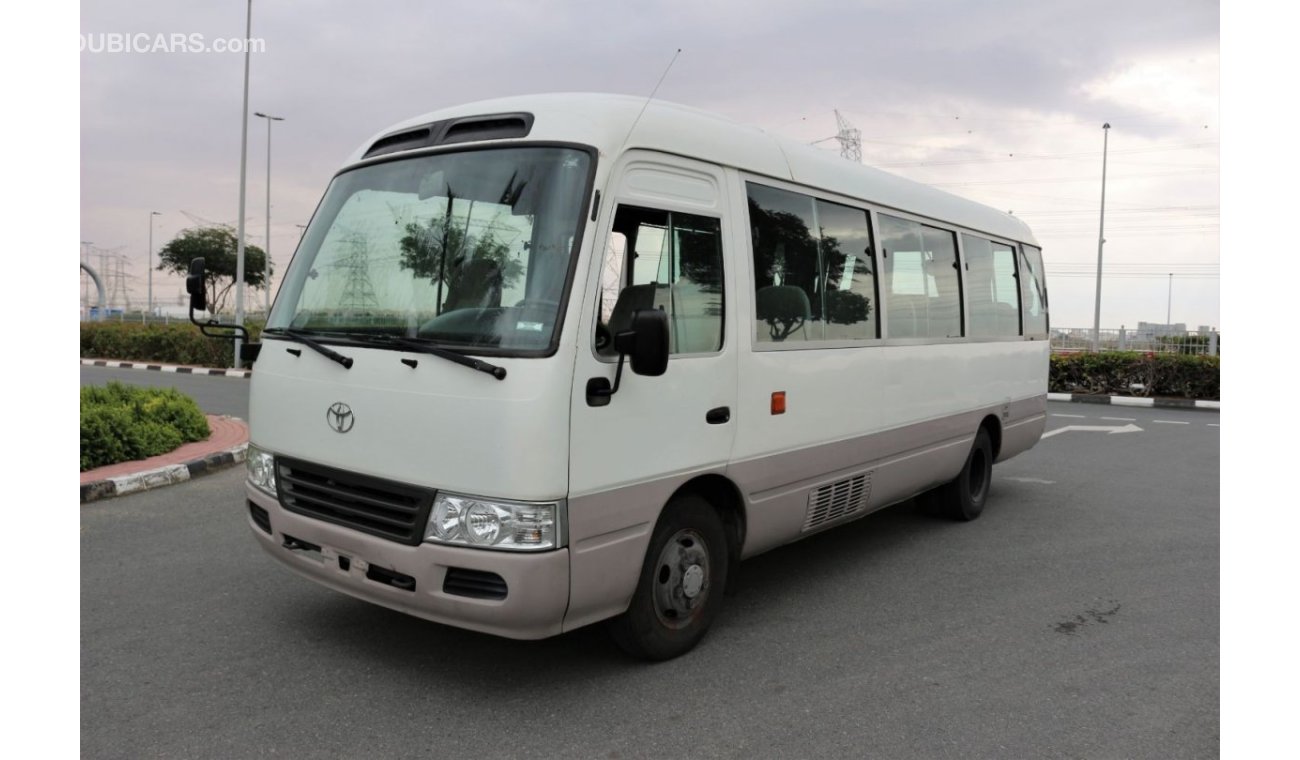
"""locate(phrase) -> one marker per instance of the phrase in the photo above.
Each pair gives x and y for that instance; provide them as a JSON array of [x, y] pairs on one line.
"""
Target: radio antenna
[[648, 99]]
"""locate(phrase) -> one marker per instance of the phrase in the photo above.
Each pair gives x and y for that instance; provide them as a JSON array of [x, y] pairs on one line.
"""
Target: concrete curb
[[163, 476], [1163, 403], [180, 370]]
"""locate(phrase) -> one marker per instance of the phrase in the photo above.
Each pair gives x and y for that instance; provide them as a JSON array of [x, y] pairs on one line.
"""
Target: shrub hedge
[[176, 343], [120, 423], [1115, 373], [1105, 373]]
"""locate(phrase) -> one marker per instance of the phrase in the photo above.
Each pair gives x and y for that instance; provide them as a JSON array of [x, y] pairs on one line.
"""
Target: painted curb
[[1162, 403], [179, 370], [163, 476]]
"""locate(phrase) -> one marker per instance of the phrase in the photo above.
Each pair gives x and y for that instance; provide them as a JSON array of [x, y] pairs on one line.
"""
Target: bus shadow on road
[[773, 585]]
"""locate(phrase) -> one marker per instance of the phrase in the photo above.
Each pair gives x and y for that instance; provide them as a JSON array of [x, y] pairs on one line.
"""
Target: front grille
[[395, 511], [836, 500], [474, 583]]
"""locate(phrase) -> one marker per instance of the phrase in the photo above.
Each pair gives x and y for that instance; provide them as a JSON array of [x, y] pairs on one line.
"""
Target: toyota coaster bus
[[546, 361]]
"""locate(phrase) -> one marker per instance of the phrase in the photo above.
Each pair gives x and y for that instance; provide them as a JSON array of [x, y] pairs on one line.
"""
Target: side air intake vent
[[835, 500], [488, 128]]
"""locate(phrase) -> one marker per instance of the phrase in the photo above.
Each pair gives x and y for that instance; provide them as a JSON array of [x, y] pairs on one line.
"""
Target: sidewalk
[[224, 448]]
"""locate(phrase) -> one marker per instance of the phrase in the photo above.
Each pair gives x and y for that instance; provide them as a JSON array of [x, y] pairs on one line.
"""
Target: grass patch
[[122, 423]]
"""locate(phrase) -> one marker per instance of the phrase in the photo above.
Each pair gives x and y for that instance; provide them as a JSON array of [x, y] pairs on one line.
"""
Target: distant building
[[1153, 330]]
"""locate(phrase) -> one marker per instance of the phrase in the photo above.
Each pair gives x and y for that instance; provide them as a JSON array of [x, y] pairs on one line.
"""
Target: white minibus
[[545, 361]]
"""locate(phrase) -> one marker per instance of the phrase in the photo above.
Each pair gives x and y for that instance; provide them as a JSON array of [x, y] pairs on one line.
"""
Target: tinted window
[[675, 265], [849, 276], [786, 293], [991, 288], [1033, 289], [921, 280], [814, 274]]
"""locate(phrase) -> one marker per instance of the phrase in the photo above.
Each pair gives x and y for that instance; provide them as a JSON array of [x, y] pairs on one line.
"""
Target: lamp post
[[1101, 239], [152, 214], [269, 119], [243, 182]]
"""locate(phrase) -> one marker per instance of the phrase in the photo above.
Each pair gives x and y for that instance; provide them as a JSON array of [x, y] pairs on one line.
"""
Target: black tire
[[681, 584], [964, 497]]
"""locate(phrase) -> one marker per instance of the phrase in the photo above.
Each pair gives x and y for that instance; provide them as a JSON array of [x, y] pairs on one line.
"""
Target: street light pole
[[152, 214], [267, 283], [1101, 239], [243, 182]]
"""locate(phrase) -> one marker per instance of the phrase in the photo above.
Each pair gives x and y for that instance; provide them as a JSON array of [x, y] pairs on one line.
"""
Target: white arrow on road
[[1110, 429]]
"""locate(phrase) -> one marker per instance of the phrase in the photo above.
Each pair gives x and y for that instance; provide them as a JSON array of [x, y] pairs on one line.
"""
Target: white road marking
[[1121, 419], [1076, 416], [1109, 429], [1170, 422], [1033, 480], [1213, 424]]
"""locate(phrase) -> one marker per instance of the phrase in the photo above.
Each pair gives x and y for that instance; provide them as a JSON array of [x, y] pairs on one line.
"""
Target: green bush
[[176, 343], [121, 423], [1114, 373]]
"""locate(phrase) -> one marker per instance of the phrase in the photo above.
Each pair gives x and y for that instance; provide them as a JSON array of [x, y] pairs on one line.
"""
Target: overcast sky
[[999, 101]]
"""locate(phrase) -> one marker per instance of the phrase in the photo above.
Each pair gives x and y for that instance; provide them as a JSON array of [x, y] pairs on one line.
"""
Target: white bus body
[[531, 505]]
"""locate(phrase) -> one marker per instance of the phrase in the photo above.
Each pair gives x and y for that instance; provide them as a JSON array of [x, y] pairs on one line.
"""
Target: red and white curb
[[163, 476]]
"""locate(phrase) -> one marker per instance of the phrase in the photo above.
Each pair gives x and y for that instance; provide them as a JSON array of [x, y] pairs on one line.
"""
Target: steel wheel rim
[[681, 579]]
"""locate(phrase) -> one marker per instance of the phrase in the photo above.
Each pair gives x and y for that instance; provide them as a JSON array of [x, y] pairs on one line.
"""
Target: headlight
[[492, 524], [261, 469]]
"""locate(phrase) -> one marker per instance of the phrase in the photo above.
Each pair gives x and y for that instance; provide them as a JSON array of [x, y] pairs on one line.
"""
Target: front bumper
[[378, 571]]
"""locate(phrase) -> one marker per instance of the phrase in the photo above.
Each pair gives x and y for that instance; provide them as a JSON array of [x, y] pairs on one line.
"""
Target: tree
[[218, 247], [469, 267]]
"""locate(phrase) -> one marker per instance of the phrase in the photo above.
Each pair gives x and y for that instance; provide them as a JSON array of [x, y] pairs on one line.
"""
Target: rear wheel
[[963, 498], [680, 588]]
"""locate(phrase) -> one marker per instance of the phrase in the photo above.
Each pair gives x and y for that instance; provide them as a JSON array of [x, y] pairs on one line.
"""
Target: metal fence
[[1192, 342], [140, 317]]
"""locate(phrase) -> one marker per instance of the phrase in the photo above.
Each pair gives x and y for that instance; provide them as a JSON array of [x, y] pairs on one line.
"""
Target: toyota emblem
[[339, 416]]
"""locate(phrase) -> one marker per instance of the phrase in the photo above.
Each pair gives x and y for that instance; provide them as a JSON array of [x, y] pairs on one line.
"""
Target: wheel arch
[[725, 497], [994, 428]]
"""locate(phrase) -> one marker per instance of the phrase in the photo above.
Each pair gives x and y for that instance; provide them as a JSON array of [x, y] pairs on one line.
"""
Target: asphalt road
[[1079, 617], [215, 394]]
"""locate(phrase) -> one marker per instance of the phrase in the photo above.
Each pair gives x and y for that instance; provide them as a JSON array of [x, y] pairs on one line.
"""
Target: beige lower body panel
[[898, 464], [595, 576], [537, 582], [608, 536]]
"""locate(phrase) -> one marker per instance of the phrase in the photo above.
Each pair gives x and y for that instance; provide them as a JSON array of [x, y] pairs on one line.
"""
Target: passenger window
[[991, 288], [921, 278], [668, 261], [849, 272], [1033, 288], [787, 293], [814, 271]]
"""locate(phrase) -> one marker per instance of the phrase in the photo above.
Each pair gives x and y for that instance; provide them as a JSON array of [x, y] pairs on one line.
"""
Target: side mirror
[[646, 343], [195, 286]]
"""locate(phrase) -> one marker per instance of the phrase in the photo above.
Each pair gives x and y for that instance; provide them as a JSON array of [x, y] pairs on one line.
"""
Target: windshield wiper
[[420, 346], [300, 337]]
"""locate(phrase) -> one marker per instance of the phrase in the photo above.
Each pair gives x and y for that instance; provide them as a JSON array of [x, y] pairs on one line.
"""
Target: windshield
[[468, 250]]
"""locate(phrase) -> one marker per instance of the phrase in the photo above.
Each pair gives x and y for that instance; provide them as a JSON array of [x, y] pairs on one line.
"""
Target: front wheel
[[680, 588]]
